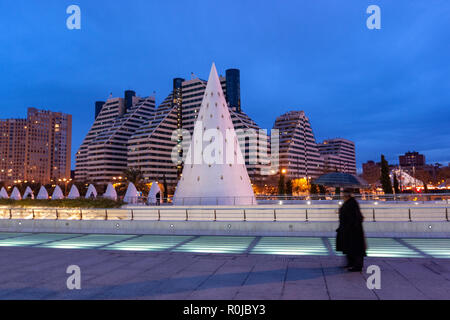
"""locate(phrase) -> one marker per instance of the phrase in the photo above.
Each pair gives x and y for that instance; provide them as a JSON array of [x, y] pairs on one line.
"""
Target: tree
[[289, 187], [313, 189], [165, 192], [385, 179], [133, 175], [337, 191], [322, 191], [281, 185], [396, 186], [300, 186]]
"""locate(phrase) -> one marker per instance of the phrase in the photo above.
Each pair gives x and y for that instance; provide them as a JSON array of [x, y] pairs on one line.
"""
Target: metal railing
[[216, 213], [442, 198]]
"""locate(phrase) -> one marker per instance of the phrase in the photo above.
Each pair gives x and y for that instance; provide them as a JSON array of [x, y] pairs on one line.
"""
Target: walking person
[[158, 198], [350, 238]]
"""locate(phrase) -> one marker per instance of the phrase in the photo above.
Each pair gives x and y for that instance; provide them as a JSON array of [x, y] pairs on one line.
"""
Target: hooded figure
[[350, 238]]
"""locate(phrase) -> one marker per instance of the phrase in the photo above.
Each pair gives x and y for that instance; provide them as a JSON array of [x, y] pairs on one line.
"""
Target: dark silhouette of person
[[350, 238], [158, 198]]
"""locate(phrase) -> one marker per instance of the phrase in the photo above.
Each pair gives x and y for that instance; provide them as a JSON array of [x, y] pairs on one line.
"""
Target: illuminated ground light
[[33, 239], [148, 243], [333, 246], [91, 241], [216, 245], [436, 248], [385, 247], [4, 235], [290, 246]]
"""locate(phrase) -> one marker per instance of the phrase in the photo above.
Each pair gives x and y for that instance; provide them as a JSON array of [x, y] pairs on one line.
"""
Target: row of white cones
[[131, 195]]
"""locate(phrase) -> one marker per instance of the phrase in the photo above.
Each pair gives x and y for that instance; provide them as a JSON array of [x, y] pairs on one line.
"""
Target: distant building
[[103, 153], [299, 154], [371, 172], [339, 155], [36, 149], [412, 159]]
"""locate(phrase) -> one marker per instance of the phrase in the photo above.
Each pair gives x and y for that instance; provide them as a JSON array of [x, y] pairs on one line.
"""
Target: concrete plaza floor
[[40, 273]]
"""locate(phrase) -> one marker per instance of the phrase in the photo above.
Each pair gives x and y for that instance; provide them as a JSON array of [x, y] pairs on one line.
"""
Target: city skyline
[[329, 66]]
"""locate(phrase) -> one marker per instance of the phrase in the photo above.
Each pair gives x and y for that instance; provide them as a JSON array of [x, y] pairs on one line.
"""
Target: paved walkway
[[40, 273]]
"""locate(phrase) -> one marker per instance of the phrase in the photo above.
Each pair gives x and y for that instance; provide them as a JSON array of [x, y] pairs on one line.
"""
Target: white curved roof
[[74, 193], [57, 194], [131, 196], [43, 194], [15, 195], [3, 194], [110, 192], [153, 191], [91, 192], [28, 193]]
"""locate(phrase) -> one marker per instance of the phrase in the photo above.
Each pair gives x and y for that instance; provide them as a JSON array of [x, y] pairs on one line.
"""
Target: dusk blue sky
[[388, 90]]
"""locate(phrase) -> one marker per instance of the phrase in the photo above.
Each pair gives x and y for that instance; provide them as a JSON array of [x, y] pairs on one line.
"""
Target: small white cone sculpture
[[43, 194], [57, 194], [152, 194], [110, 192], [215, 174], [91, 192], [3, 194], [28, 193], [15, 195], [74, 193], [131, 196]]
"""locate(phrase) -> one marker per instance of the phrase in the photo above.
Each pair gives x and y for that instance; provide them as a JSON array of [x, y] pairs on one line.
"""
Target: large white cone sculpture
[[91, 192], [28, 193], [74, 193], [57, 194], [3, 194], [152, 194], [214, 177], [43, 194], [131, 196], [15, 195], [110, 192]]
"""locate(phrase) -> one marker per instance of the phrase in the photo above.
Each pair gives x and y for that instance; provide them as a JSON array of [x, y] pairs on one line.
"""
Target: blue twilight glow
[[386, 89]]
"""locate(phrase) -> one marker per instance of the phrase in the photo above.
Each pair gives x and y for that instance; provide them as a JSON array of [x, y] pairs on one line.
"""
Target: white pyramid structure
[[73, 193], [110, 192], [214, 171], [57, 194], [152, 194], [131, 196], [28, 193], [15, 195], [91, 192], [43, 194], [3, 194]]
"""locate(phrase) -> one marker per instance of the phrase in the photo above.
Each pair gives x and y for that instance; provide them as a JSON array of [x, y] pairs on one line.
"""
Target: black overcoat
[[350, 237]]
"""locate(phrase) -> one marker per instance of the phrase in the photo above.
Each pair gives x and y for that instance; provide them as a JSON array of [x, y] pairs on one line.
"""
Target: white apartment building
[[104, 151], [299, 154], [339, 155]]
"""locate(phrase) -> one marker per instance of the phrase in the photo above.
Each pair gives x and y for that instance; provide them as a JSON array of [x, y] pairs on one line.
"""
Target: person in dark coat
[[350, 238], [158, 198]]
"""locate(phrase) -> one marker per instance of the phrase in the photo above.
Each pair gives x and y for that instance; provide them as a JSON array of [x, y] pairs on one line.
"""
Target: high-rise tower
[[299, 154]]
